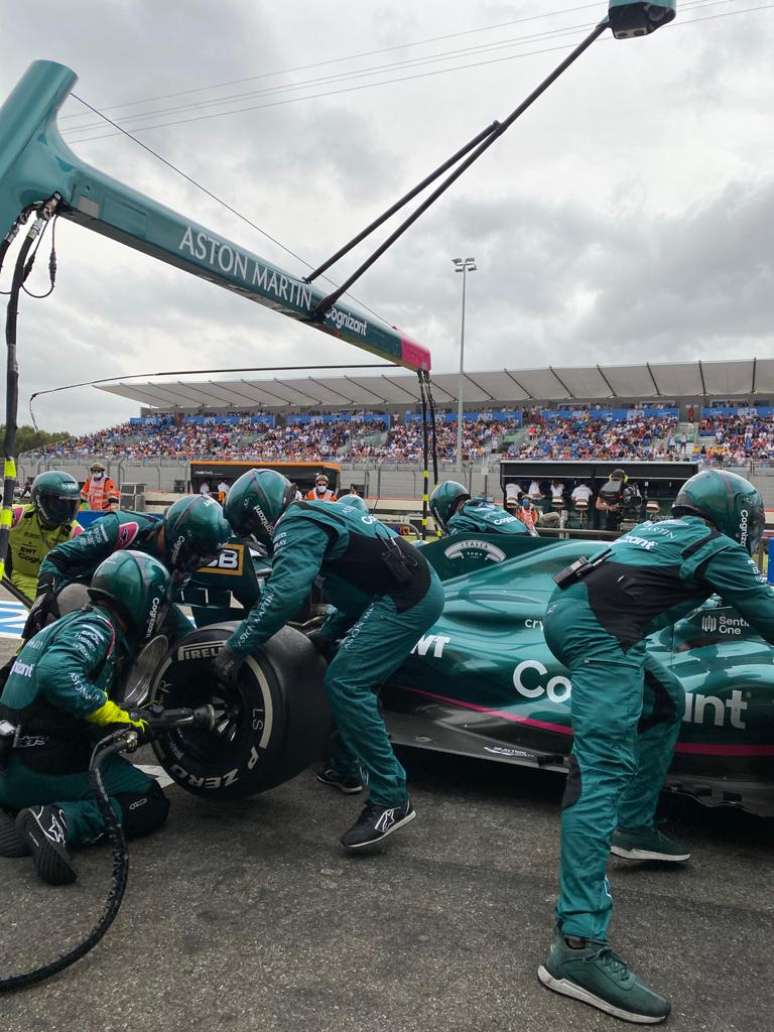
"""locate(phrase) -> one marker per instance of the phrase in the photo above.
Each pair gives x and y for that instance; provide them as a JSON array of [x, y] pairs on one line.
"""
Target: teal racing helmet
[[446, 499], [355, 501], [135, 586], [57, 498], [195, 532], [729, 502], [256, 501]]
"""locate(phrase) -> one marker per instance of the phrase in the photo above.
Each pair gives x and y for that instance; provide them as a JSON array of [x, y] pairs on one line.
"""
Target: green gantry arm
[[36, 163]]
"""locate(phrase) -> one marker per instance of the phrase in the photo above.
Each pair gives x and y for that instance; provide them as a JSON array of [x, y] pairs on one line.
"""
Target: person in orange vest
[[321, 492], [100, 492], [526, 512]]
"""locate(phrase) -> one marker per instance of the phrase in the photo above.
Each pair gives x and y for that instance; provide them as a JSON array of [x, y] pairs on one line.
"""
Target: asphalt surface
[[248, 916]]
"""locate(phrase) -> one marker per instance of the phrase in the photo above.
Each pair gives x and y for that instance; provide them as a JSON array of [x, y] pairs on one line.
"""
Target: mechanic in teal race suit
[[400, 598], [457, 513], [191, 533], [346, 603], [626, 711], [56, 704]]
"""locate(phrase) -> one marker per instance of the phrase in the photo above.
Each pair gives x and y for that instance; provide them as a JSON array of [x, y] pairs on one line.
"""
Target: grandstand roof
[[745, 378]]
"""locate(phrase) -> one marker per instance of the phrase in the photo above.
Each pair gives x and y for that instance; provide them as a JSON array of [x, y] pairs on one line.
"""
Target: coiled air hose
[[118, 741]]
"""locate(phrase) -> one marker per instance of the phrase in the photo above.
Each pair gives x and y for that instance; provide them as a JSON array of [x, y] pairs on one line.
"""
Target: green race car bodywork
[[483, 682]]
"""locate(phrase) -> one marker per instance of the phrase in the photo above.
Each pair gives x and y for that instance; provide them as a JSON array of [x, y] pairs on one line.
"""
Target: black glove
[[43, 611], [323, 644], [225, 666]]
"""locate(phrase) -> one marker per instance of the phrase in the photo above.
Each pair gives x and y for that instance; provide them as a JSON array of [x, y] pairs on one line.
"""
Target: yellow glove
[[108, 714]]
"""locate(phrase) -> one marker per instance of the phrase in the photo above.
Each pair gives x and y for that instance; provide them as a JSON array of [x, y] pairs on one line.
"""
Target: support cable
[[425, 473], [328, 302]]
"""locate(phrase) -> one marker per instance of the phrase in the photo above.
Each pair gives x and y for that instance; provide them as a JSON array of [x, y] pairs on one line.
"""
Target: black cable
[[11, 398], [328, 302], [425, 449], [405, 78], [339, 77], [192, 372], [338, 60], [431, 402], [402, 201], [219, 200], [51, 261], [114, 743]]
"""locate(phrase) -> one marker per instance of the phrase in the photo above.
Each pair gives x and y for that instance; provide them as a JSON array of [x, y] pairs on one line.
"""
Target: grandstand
[[715, 412]]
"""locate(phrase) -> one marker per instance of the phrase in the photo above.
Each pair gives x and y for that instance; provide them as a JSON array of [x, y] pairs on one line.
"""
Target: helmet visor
[[189, 559], [55, 509]]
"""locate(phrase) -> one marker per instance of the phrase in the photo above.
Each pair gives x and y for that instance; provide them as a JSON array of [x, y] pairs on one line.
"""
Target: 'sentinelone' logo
[[709, 623]]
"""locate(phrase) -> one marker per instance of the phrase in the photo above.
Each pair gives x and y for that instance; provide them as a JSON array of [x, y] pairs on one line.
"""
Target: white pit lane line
[[13, 616], [155, 772]]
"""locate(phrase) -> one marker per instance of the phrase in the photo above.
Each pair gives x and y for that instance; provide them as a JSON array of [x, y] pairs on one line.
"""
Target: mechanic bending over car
[[399, 598], [342, 768], [48, 521], [191, 533], [56, 704], [626, 710], [456, 512]]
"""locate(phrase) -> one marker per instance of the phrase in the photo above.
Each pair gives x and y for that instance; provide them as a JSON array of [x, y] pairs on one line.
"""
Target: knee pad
[[573, 786], [143, 812]]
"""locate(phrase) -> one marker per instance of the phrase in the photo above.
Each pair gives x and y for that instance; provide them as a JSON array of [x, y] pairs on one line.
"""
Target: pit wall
[[386, 481]]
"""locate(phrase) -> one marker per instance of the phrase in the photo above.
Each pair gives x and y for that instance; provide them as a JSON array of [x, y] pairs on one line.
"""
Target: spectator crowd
[[736, 440], [583, 437], [538, 434]]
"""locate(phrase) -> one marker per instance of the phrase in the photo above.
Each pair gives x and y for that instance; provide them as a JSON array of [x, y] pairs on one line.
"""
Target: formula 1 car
[[481, 683]]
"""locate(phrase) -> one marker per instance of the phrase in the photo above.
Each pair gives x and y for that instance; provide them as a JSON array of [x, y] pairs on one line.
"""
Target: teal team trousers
[[626, 713], [21, 787], [373, 649]]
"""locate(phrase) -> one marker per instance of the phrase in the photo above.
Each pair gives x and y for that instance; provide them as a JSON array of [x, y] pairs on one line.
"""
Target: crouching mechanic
[[56, 704], [400, 598], [190, 534], [626, 711], [457, 513], [48, 521]]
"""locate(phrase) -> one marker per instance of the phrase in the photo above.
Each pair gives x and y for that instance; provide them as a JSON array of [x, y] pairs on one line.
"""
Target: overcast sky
[[628, 216]]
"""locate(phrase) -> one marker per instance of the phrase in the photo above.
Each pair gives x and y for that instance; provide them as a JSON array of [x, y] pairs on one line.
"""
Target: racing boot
[[346, 783], [11, 842], [44, 830], [647, 844], [590, 971], [376, 823]]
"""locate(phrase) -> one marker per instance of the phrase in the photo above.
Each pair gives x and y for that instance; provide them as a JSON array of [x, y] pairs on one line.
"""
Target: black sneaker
[[11, 842], [344, 782], [376, 823], [44, 830]]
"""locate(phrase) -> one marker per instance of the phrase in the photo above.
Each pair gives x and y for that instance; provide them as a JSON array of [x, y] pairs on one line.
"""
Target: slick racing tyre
[[276, 721]]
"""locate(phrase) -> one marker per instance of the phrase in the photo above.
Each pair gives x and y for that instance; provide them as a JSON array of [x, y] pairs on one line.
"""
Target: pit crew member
[[456, 512], [400, 598], [46, 522], [626, 711], [56, 704], [342, 769], [191, 533]]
